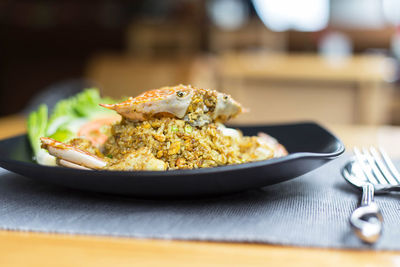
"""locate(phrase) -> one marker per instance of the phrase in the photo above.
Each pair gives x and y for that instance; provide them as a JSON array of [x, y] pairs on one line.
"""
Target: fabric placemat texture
[[311, 210]]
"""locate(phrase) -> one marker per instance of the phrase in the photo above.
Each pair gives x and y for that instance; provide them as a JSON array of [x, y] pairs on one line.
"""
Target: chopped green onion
[[188, 129], [62, 135], [174, 128]]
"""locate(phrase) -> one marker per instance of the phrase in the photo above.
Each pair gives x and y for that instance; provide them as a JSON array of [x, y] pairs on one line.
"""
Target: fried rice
[[182, 146]]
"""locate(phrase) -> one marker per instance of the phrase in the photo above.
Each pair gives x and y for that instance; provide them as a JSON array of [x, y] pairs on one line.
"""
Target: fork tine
[[361, 162], [390, 164], [378, 156], [375, 170]]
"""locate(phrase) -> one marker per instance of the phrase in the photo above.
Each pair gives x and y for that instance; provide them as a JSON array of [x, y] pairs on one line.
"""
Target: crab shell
[[173, 100]]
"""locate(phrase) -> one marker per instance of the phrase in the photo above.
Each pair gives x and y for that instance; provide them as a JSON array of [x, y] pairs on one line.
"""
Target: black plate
[[309, 145]]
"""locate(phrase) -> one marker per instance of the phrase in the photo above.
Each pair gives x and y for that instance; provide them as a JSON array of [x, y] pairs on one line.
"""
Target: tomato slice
[[92, 130]]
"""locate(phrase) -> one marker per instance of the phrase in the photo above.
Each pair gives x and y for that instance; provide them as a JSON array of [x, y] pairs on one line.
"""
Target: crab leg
[[71, 154], [68, 164], [279, 149]]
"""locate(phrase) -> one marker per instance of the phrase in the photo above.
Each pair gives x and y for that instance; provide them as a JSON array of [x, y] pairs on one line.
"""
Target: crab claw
[[279, 149], [70, 156]]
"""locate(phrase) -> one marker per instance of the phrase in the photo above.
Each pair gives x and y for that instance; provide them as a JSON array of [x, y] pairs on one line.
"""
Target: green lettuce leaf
[[71, 113], [37, 125], [65, 120]]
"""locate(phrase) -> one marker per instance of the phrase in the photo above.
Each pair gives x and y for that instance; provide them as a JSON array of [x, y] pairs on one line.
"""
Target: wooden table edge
[[21, 247]]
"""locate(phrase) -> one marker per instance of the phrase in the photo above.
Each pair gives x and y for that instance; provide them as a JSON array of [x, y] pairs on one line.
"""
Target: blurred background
[[333, 61]]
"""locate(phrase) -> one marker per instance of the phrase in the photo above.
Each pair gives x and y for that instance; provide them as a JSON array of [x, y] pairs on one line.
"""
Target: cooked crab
[[194, 105], [185, 104]]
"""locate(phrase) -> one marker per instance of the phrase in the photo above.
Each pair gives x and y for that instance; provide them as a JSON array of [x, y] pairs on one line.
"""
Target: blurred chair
[[122, 75], [163, 39], [203, 71], [253, 35]]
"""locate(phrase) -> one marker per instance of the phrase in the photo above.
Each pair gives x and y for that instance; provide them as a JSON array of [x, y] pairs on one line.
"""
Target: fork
[[377, 173]]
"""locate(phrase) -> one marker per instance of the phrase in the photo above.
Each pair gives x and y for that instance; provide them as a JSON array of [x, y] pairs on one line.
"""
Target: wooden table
[[44, 249], [284, 87]]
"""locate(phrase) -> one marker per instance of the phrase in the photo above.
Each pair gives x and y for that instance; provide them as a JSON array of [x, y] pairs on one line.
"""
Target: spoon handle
[[367, 219], [367, 196], [387, 188]]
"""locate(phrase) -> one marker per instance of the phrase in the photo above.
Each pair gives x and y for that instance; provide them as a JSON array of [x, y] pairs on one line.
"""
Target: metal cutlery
[[373, 171]]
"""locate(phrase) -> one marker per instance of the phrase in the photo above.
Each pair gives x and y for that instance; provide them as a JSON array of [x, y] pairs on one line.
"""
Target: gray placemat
[[311, 210]]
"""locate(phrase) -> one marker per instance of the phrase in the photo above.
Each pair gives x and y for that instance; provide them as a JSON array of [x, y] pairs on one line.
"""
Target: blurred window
[[304, 15], [391, 11], [228, 14], [335, 47], [358, 14]]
